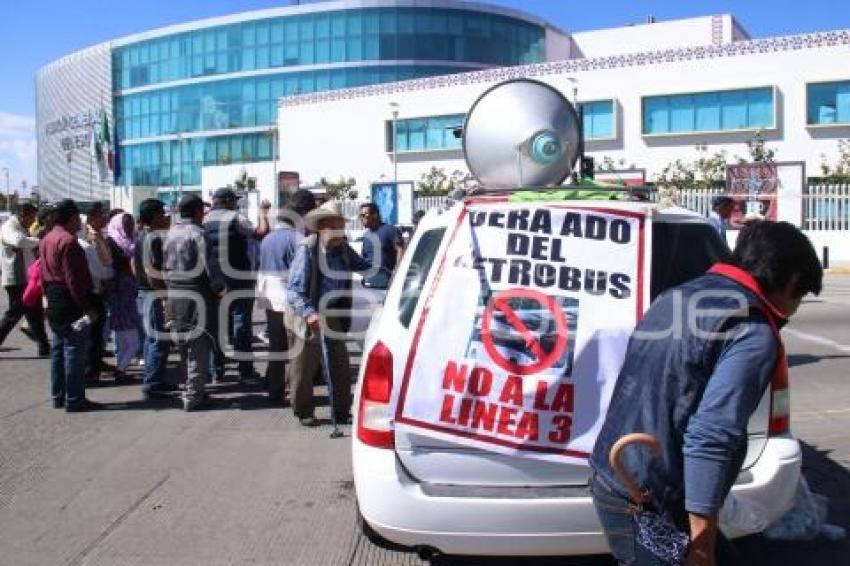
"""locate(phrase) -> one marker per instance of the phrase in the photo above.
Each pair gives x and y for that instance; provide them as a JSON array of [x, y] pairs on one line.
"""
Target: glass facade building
[[209, 95]]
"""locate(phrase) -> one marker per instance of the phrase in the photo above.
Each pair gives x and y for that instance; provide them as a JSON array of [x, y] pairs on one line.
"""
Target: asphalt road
[[243, 483]]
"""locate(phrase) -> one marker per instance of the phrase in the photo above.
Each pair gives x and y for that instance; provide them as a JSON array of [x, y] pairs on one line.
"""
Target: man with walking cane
[[691, 394], [319, 294]]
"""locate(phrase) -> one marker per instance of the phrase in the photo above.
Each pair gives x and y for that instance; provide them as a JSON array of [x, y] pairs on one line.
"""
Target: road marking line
[[818, 339], [821, 413]]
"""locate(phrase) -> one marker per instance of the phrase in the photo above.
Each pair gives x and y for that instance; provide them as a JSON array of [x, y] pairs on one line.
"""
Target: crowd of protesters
[[154, 284]]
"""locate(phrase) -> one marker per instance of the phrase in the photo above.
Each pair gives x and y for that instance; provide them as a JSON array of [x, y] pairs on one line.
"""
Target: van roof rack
[[587, 189]]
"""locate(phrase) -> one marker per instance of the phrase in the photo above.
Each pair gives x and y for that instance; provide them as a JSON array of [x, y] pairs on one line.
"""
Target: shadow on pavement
[[803, 359], [828, 478], [825, 477]]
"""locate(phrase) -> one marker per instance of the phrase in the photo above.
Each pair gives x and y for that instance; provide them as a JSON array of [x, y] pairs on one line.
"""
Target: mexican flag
[[94, 146], [105, 157]]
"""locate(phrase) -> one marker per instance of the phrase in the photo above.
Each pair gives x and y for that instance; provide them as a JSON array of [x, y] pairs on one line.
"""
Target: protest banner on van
[[525, 329]]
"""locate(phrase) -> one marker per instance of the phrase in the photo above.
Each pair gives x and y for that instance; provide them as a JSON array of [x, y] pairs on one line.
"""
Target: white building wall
[[217, 176], [704, 30], [72, 95], [559, 45], [342, 133]]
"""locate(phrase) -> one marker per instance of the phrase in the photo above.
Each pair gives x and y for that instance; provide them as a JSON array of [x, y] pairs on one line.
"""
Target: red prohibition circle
[[544, 360]]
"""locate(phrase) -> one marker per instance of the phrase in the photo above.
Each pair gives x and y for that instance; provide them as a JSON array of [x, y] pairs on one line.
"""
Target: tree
[[706, 172], [758, 150], [244, 182], [838, 172], [436, 182], [607, 163], [341, 189]]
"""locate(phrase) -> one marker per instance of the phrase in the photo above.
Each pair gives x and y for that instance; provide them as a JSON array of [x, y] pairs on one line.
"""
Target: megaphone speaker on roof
[[520, 133]]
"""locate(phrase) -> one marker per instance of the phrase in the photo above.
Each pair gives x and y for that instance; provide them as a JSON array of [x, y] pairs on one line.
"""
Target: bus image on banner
[[518, 346]]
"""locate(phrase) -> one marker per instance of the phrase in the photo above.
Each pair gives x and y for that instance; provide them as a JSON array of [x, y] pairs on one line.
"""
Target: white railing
[[827, 207], [427, 203], [351, 208], [698, 200]]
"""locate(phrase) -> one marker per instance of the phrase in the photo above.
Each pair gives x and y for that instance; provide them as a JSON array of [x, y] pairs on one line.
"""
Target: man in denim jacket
[[696, 368]]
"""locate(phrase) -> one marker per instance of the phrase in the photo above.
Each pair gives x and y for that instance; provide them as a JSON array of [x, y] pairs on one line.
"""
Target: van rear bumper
[[765, 491], [397, 508]]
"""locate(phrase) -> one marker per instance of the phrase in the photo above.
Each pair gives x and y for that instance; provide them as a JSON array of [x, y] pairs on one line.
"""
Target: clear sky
[[35, 32]]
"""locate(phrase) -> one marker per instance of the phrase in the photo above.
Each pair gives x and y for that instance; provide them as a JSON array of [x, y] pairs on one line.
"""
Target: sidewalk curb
[[837, 271]]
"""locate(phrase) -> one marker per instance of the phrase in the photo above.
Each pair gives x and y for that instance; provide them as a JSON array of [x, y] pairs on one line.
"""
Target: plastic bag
[[661, 537], [806, 519], [741, 518]]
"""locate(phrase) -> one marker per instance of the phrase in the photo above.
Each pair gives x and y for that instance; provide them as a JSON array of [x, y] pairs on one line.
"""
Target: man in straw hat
[[319, 294]]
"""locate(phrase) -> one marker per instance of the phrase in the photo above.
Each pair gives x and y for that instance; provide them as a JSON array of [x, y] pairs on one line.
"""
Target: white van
[[442, 493]]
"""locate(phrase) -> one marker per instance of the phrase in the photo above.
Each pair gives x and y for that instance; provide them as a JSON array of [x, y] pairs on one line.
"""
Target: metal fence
[[427, 203], [698, 200], [350, 209], [827, 207]]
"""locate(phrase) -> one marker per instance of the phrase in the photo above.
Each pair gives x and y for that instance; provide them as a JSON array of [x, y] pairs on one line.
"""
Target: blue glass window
[[707, 117], [733, 110], [743, 109], [828, 103], [426, 134], [598, 119], [656, 115]]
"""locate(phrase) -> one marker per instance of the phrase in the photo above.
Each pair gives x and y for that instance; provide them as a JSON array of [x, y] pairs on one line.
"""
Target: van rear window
[[417, 273], [683, 251]]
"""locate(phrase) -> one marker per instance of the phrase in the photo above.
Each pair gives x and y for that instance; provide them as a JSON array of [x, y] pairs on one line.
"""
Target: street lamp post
[[394, 106], [276, 188], [180, 168], [69, 154], [8, 196], [580, 112]]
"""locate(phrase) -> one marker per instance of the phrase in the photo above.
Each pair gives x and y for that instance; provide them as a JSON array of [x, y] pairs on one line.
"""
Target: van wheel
[[374, 537]]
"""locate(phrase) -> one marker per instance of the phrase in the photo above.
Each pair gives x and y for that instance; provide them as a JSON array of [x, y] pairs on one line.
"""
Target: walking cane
[[326, 371], [655, 532]]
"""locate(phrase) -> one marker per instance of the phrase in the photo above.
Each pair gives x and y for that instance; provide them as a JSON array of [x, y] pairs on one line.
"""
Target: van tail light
[[374, 423], [780, 405]]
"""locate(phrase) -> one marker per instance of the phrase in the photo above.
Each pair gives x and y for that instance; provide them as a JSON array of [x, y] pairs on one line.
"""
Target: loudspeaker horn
[[521, 133]]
